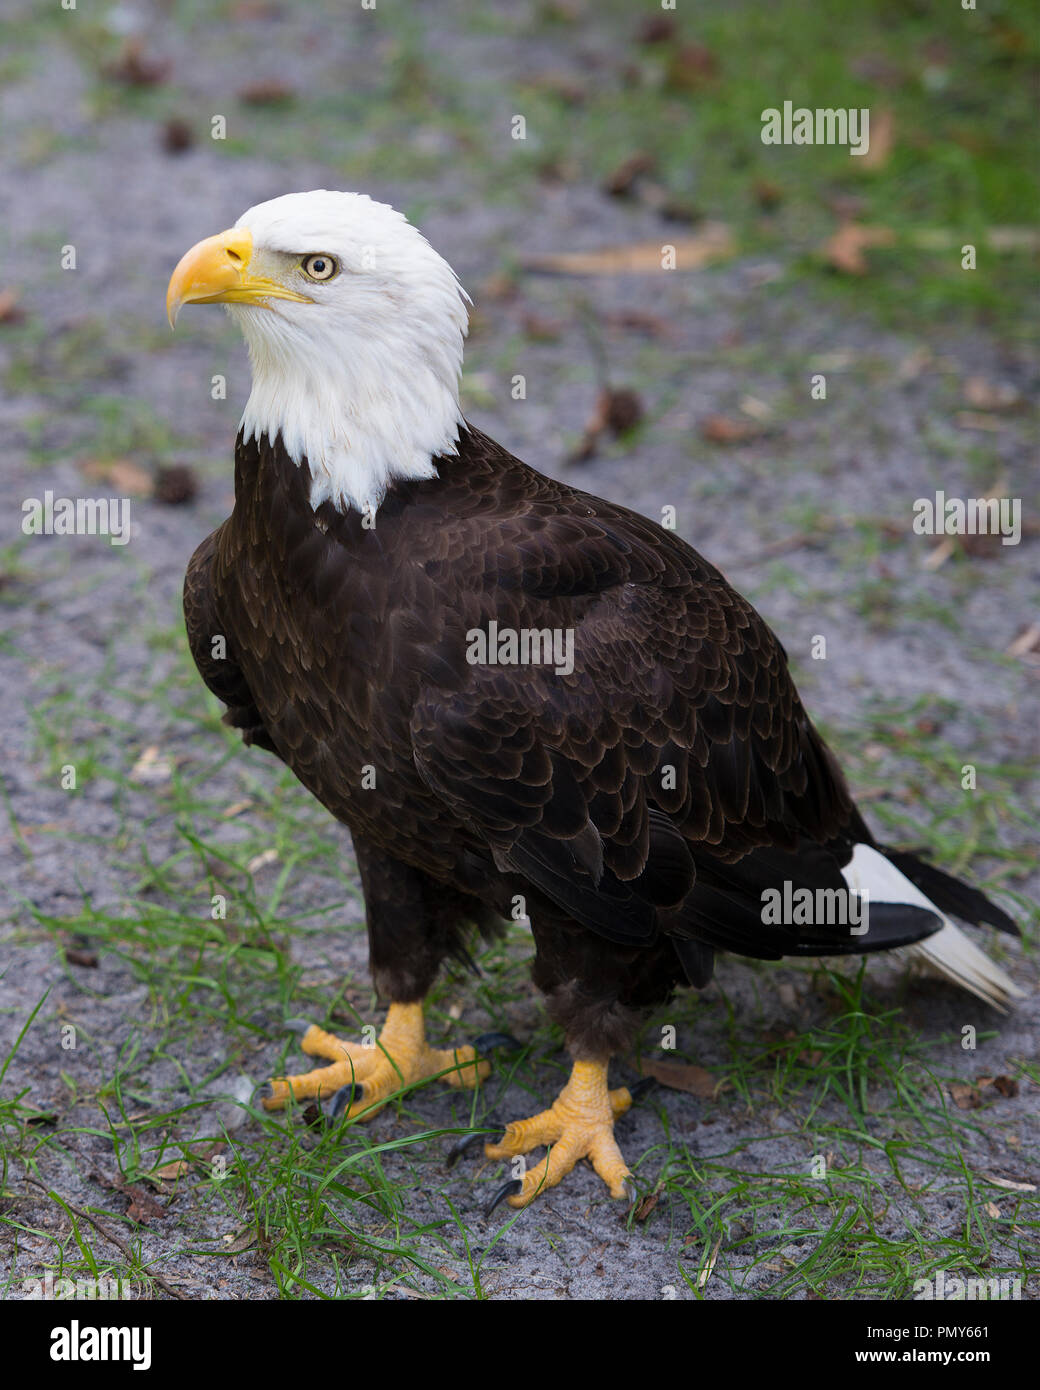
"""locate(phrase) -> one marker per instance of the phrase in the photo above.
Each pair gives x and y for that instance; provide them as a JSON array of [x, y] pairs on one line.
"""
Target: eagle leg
[[578, 1124], [400, 1058]]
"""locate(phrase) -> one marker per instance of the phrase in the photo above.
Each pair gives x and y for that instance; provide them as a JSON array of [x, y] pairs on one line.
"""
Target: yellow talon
[[400, 1058], [578, 1124]]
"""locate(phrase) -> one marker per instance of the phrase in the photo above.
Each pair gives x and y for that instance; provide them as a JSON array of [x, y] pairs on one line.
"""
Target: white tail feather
[[949, 951]]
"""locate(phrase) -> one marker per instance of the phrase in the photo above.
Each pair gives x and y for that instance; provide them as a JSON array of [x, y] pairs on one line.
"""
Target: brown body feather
[[638, 805]]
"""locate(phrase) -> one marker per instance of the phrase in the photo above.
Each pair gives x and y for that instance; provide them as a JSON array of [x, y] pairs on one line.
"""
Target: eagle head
[[355, 330]]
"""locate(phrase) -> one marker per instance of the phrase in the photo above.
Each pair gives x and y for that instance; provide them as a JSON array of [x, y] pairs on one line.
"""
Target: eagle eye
[[319, 267]]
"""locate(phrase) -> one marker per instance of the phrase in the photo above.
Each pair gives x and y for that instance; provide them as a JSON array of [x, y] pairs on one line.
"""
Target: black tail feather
[[949, 893], [891, 925]]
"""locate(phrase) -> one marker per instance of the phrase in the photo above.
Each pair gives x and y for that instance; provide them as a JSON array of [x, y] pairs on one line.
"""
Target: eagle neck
[[358, 425]]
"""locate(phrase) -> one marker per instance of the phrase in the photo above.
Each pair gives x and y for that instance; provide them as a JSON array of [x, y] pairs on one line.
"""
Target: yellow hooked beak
[[216, 271]]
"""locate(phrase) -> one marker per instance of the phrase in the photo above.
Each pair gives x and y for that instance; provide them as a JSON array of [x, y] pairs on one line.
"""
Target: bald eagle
[[511, 692]]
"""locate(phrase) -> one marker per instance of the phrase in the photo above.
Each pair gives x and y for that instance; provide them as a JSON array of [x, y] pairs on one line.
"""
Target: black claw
[[639, 1090], [296, 1025], [631, 1193], [333, 1108], [469, 1141], [508, 1189], [487, 1041]]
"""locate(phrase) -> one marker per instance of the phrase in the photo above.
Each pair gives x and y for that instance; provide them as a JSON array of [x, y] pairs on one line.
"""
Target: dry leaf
[[124, 475], [987, 544], [151, 766], [143, 1206], [786, 995], [638, 321], [539, 328], [266, 92], [706, 1272], [758, 410], [768, 194], [713, 242], [618, 410], [241, 1240], [646, 1206], [499, 287], [983, 394], [844, 250], [1005, 1085], [260, 861], [87, 959], [1013, 239], [680, 1076], [133, 68], [965, 1096], [175, 484], [882, 138], [235, 809], [992, 1209], [1027, 644], [557, 169], [177, 136], [690, 68], [720, 429], [939, 553], [1009, 1184], [657, 28], [9, 310], [972, 420], [1009, 39], [179, 1166], [176, 1169], [912, 366], [620, 183]]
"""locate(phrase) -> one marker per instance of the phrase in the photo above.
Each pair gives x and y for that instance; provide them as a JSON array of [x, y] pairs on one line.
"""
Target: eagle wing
[[211, 646], [673, 774]]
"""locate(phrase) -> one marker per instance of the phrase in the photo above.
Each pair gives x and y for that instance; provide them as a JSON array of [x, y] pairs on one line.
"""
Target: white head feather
[[363, 382]]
